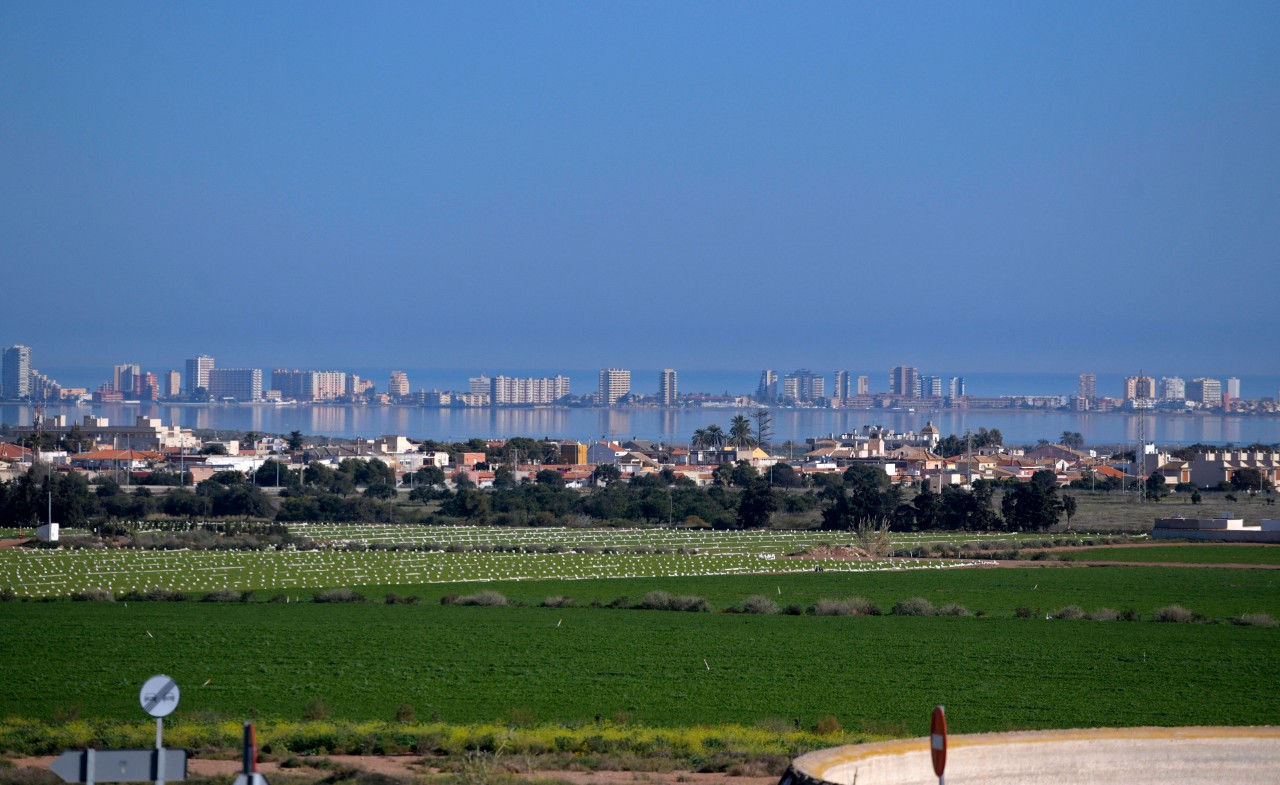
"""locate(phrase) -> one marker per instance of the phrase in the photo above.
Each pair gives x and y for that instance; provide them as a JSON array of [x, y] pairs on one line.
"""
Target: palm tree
[[740, 432], [699, 439], [715, 436]]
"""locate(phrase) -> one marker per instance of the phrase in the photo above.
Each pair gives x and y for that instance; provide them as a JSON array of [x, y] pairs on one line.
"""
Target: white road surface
[[1128, 756]]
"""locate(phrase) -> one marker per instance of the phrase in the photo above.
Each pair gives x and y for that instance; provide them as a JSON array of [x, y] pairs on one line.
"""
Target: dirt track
[[408, 767]]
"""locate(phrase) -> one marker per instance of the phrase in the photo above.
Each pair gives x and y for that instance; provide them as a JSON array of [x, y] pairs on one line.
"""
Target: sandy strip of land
[[409, 766]]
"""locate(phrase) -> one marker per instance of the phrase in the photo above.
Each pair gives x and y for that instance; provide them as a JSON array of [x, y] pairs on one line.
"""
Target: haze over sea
[[678, 424]]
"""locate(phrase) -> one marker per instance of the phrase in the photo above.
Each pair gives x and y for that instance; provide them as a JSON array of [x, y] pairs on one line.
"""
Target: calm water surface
[[668, 424]]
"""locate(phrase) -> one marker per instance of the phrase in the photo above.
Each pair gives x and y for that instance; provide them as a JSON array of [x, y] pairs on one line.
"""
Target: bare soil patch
[[408, 767]]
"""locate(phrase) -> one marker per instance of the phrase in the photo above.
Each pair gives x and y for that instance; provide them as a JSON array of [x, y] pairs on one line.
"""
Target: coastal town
[[134, 453], [203, 381]]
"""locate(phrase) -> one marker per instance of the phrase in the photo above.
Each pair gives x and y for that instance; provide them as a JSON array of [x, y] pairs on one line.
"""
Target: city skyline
[[129, 381], [1074, 171]]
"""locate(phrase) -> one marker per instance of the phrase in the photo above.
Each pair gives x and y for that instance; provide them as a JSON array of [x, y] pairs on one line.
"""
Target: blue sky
[[983, 186]]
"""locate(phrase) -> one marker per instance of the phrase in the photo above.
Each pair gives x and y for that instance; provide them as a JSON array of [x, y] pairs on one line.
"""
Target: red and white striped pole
[[938, 742]]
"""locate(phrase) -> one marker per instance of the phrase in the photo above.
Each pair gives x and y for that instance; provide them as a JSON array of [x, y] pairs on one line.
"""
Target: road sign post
[[159, 697], [938, 742]]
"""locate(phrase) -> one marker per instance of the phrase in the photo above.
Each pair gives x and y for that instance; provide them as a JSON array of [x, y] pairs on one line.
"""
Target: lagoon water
[[1018, 427]]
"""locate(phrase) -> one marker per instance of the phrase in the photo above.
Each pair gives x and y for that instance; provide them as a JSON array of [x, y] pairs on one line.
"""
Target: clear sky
[[986, 186]]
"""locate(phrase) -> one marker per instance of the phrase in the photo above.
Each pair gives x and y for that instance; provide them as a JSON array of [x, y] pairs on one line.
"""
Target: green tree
[[1031, 506], [784, 476], [605, 473], [1069, 508], [764, 428], [740, 432], [430, 475], [742, 474], [1247, 479], [927, 509], [295, 440], [1072, 439], [272, 473], [466, 503], [549, 477], [504, 478], [755, 504], [1155, 486], [380, 490], [715, 437]]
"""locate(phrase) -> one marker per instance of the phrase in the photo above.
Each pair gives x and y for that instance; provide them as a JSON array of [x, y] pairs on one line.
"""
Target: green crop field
[[1183, 554], [1217, 594], [64, 572], [457, 554], [467, 664]]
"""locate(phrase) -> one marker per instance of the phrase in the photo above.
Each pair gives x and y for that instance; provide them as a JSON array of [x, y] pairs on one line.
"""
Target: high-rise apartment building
[[842, 391], [803, 386], [149, 387], [327, 385], [240, 384], [289, 384], [1206, 392], [1233, 388], [43, 388], [479, 385], [955, 387], [357, 387], [15, 373], [309, 385], [930, 386], [126, 378], [198, 369], [171, 384], [904, 381], [512, 391], [615, 383], [1139, 388], [864, 385], [399, 383], [767, 390], [1172, 388], [667, 388], [1088, 386]]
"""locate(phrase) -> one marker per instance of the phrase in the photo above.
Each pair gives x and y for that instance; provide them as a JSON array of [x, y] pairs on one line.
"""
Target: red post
[[938, 742]]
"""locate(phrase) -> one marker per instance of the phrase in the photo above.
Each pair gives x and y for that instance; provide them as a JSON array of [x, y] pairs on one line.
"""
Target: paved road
[[1132, 756]]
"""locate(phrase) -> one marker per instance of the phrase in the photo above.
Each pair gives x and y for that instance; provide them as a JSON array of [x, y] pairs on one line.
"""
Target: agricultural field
[[1195, 553], [660, 668], [1120, 512], [457, 555]]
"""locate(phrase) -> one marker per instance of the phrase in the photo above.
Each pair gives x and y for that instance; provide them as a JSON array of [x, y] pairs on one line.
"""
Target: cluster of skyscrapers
[[1144, 391], [805, 386]]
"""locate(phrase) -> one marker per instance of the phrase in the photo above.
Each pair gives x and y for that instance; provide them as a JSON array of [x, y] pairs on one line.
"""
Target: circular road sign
[[938, 740], [159, 696]]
